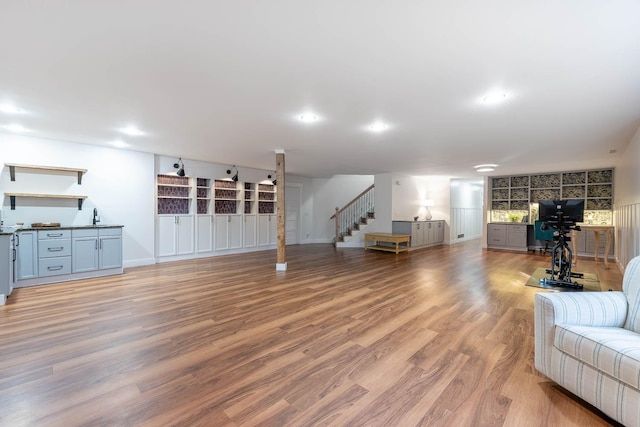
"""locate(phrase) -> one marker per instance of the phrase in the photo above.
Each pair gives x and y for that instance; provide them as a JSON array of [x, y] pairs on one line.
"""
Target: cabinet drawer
[[54, 248], [54, 266], [110, 232], [54, 234], [90, 232], [496, 230]]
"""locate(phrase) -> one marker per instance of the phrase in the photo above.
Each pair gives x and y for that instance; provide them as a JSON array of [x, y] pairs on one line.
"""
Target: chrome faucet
[[96, 218]]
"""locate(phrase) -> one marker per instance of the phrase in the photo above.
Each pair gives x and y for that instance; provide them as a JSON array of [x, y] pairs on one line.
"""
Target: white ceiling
[[223, 81]]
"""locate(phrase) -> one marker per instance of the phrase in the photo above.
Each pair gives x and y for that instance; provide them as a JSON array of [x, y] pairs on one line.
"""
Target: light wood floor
[[440, 336]]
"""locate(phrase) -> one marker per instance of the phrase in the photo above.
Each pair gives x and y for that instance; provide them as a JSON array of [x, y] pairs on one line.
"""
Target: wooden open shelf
[[13, 196], [12, 170]]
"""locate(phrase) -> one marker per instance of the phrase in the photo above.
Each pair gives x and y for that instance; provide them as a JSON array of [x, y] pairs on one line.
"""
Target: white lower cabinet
[[250, 228], [228, 232], [267, 229], [175, 235], [96, 249], [26, 255], [423, 233], [204, 235]]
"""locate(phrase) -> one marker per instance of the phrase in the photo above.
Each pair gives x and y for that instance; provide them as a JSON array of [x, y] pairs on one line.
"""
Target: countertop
[[11, 230]]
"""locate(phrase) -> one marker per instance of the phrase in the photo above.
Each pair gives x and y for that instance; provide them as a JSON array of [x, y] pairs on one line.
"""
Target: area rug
[[589, 282]]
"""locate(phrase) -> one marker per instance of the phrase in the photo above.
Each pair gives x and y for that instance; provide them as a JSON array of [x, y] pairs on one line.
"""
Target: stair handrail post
[[337, 215]]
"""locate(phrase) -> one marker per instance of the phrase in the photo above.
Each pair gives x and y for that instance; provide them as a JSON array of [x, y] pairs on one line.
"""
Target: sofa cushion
[[614, 351]]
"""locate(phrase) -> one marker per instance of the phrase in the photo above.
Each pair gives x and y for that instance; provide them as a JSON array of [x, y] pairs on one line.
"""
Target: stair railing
[[349, 216]]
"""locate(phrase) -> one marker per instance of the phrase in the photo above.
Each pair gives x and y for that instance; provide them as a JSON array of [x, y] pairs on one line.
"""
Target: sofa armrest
[[575, 308]]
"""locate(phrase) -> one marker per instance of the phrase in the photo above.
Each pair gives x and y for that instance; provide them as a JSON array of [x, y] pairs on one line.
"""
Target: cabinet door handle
[[54, 268], [14, 256], [58, 249], [17, 240], [228, 218], [100, 244], [96, 245], [54, 235]]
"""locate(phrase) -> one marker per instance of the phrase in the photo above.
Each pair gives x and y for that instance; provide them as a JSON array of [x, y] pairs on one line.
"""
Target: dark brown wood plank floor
[[439, 336]]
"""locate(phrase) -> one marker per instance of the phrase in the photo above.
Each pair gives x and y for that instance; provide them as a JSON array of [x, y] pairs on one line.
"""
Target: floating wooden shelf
[[13, 196], [12, 170]]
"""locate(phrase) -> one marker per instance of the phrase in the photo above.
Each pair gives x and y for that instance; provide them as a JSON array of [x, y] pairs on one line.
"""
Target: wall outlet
[[460, 236]]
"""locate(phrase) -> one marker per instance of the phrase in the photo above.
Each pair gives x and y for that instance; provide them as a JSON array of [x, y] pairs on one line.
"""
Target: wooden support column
[[281, 262]]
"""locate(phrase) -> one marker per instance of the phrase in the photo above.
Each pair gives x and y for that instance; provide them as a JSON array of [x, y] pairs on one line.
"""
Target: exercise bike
[[561, 253]]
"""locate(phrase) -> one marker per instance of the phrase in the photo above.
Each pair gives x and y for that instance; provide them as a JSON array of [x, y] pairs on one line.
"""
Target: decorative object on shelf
[[180, 167], [234, 178], [274, 182]]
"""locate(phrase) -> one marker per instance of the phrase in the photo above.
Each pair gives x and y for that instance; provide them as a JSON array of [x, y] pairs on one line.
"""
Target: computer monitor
[[572, 210]]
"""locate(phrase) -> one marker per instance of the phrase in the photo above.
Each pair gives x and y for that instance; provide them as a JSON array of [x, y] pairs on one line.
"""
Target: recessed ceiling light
[[378, 127], [488, 165], [119, 143], [307, 117], [9, 109], [494, 98], [132, 131], [16, 128], [485, 169]]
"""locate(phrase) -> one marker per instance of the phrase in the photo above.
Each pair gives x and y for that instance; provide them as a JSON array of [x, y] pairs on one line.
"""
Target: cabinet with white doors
[[250, 230], [423, 233], [96, 249], [204, 233], [175, 235], [26, 243], [228, 232], [267, 230]]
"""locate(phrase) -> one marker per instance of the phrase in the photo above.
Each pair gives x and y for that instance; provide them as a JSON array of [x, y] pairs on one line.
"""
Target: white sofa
[[589, 343]]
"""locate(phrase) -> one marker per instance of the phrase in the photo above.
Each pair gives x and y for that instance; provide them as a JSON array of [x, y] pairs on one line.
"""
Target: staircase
[[354, 216]]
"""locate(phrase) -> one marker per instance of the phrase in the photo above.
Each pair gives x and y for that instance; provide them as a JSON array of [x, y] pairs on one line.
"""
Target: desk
[[608, 232], [378, 238]]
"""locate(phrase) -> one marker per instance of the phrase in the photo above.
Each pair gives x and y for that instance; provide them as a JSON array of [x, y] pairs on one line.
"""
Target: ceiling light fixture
[[180, 167], [119, 143], [378, 127], [9, 109], [132, 131], [234, 178], [307, 117], [487, 167], [17, 128], [494, 98]]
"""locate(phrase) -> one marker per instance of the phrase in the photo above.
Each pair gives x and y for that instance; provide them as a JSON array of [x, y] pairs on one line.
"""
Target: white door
[[205, 233], [235, 232], [293, 197], [222, 232], [263, 230], [273, 229], [249, 231], [185, 234], [167, 235]]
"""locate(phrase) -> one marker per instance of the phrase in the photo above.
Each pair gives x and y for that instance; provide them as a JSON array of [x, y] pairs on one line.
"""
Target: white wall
[[409, 193], [329, 193], [627, 202], [119, 183], [466, 209]]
